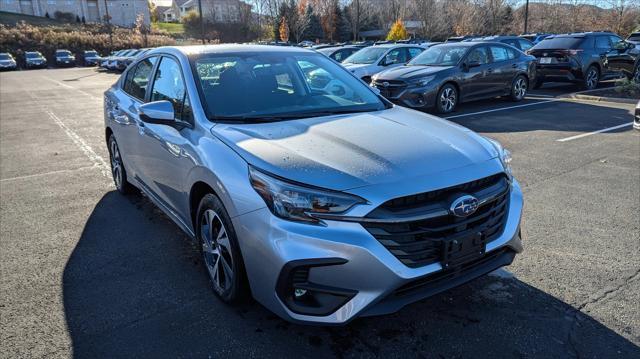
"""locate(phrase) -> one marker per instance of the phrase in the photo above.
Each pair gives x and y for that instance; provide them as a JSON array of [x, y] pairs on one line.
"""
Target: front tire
[[447, 99], [519, 88], [117, 168], [636, 74], [591, 78], [220, 250]]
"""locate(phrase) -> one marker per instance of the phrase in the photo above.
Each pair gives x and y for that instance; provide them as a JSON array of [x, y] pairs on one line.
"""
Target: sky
[[162, 2]]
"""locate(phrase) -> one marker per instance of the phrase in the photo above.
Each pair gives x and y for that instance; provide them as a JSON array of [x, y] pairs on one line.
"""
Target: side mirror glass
[[157, 112]]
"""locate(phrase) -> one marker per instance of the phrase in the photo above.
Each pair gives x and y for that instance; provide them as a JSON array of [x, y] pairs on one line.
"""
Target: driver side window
[[480, 55], [169, 86]]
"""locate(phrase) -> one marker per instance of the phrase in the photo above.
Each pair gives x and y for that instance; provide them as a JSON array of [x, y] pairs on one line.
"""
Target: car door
[[504, 68], [623, 57], [164, 150], [602, 47], [122, 111], [475, 81]]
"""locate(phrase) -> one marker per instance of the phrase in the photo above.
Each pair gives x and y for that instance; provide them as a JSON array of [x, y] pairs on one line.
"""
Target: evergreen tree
[[314, 31]]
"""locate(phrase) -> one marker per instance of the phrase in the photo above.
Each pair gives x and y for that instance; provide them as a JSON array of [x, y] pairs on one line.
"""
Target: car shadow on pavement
[[134, 287]]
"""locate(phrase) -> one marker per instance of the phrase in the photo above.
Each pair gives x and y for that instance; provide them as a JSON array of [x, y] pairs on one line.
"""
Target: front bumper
[[411, 96], [371, 279]]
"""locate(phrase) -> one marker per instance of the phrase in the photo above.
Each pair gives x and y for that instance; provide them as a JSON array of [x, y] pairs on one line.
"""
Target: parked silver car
[[371, 60], [324, 203]]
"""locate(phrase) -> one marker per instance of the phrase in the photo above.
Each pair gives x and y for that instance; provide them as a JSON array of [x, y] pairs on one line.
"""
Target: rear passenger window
[[135, 83], [602, 42], [513, 54], [169, 86], [525, 45], [499, 53]]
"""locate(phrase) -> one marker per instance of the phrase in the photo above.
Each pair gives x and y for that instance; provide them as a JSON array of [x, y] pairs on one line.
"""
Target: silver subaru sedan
[[303, 187]]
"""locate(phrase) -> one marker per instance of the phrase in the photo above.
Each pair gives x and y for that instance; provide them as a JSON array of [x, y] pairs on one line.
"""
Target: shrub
[[628, 87], [397, 32]]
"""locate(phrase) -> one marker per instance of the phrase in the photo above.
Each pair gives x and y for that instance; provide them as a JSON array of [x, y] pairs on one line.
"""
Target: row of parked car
[[62, 58], [443, 75]]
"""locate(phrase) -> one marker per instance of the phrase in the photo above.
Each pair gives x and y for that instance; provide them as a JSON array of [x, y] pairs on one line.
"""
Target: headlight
[[296, 202], [423, 81], [504, 155]]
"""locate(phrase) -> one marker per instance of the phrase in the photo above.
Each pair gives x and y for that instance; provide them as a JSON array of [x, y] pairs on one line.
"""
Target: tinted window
[[33, 55], [634, 37], [499, 53], [137, 78], [512, 53], [414, 51], [5, 57], [602, 42], [341, 55], [396, 56], [525, 45], [264, 84], [480, 55], [559, 43], [168, 85], [614, 39]]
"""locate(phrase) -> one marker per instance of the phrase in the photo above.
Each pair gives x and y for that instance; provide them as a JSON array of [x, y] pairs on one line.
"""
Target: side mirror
[[470, 64], [158, 112]]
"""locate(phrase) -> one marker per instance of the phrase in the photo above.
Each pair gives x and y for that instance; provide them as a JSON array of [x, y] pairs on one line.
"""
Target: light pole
[[526, 16], [201, 22], [106, 10]]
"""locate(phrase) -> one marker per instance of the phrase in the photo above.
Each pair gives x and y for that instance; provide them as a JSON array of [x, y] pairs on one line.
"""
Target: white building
[[121, 12]]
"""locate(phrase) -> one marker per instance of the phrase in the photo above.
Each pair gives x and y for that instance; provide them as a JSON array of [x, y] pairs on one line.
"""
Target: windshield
[[634, 37], [262, 86], [63, 53], [5, 57], [33, 55], [439, 56], [367, 56], [90, 54], [559, 43], [327, 51], [134, 53]]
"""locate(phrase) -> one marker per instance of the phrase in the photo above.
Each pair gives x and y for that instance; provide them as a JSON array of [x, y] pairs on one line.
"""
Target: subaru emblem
[[385, 84], [464, 206]]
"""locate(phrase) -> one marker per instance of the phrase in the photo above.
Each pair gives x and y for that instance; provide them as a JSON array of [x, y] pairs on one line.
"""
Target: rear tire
[[220, 251], [447, 99], [117, 168], [636, 74], [591, 78], [519, 88]]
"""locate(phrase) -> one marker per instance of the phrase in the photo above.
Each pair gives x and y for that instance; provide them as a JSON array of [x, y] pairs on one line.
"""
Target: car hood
[[409, 72], [348, 151], [359, 68], [6, 62]]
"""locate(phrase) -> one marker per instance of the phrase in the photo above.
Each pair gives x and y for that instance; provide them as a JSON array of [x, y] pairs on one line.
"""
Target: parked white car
[[371, 60]]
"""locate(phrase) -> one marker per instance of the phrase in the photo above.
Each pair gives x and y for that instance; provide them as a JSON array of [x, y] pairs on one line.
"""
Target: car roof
[[582, 34]]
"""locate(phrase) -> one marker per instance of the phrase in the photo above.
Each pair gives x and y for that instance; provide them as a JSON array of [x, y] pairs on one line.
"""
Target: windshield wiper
[[282, 117]]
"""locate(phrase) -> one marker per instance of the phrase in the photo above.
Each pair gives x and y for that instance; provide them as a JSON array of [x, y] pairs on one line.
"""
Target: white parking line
[[594, 132], [502, 108], [80, 143]]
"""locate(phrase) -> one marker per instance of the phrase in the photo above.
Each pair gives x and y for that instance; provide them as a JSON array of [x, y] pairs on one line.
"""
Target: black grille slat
[[421, 242]]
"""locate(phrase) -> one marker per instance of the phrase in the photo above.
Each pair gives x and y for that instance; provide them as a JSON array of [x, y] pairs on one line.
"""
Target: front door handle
[[514, 65]]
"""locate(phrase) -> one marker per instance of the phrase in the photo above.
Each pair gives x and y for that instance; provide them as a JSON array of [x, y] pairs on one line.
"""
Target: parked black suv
[[576, 57]]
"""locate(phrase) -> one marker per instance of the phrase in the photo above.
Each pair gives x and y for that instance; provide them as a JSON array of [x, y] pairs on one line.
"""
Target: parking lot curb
[[584, 95]]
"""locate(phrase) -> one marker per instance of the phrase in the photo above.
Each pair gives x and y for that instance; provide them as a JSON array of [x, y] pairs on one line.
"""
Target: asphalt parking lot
[[87, 272]]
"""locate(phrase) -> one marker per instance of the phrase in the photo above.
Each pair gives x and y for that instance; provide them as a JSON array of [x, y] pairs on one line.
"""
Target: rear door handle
[[514, 65]]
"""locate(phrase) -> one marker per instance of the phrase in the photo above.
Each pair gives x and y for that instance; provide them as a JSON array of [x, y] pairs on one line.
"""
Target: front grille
[[425, 239], [393, 88]]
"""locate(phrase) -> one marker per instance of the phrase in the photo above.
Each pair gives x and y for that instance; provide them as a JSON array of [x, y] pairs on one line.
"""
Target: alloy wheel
[[448, 99], [116, 164], [216, 249], [520, 88], [592, 78]]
